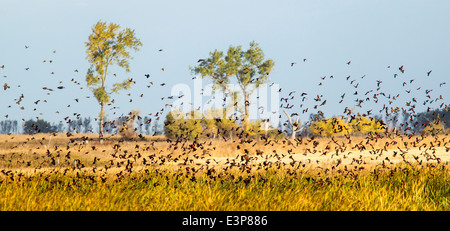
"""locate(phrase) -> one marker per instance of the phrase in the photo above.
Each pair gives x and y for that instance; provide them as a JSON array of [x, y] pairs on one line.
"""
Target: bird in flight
[[428, 73]]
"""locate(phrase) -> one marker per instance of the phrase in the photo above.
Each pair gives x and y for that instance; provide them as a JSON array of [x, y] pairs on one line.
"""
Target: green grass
[[401, 188]]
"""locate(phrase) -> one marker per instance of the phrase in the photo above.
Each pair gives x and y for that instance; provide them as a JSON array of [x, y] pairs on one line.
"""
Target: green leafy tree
[[254, 129], [178, 126], [214, 68], [227, 127], [172, 125], [107, 46], [247, 67], [193, 128]]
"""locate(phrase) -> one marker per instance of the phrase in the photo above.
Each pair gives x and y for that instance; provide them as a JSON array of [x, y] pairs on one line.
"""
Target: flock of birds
[[50, 90], [249, 153]]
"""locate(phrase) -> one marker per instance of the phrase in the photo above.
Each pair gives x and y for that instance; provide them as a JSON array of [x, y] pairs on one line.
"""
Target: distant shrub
[[363, 125], [330, 127], [126, 125], [180, 126], [227, 127], [186, 126], [38, 126], [435, 127], [336, 126]]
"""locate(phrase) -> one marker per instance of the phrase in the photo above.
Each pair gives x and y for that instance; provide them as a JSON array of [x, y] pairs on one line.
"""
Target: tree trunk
[[294, 126], [246, 106], [224, 112], [102, 113]]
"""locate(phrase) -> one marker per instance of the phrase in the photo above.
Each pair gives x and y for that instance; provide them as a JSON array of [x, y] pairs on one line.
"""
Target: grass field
[[57, 173]]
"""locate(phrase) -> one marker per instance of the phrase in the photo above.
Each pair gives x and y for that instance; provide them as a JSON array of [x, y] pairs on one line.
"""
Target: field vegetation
[[57, 172]]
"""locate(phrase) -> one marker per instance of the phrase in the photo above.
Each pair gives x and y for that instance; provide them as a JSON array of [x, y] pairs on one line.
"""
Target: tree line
[[143, 125], [185, 126]]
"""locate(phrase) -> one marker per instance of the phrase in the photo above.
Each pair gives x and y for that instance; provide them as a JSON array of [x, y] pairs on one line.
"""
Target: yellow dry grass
[[56, 172]]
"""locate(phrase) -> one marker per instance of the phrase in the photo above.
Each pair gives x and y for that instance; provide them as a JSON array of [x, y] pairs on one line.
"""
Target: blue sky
[[371, 34]]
